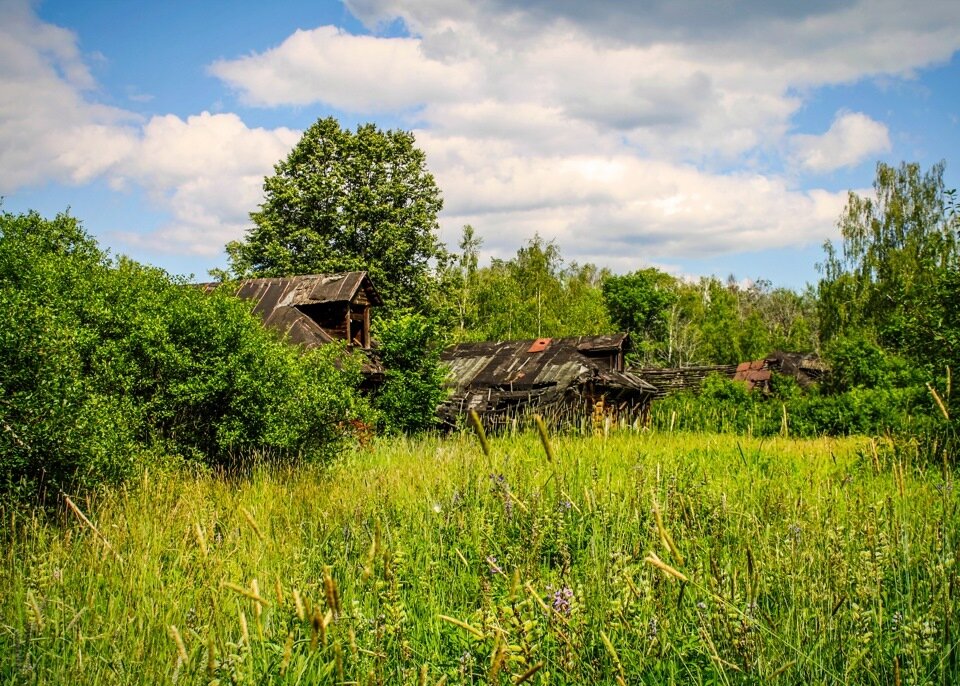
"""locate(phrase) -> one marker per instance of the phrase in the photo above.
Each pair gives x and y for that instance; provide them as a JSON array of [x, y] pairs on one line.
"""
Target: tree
[[896, 248], [640, 302], [349, 201]]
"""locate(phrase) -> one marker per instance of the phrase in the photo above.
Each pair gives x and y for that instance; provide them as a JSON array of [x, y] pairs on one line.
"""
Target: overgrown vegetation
[[631, 558], [107, 366]]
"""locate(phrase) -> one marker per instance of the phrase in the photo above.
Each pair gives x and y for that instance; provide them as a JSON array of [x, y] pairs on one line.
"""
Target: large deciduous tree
[[348, 201]]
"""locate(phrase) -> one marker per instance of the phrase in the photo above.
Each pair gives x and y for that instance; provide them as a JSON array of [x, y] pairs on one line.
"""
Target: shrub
[[409, 347], [105, 363]]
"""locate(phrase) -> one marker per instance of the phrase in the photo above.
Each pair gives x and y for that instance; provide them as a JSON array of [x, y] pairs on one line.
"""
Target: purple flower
[[561, 600]]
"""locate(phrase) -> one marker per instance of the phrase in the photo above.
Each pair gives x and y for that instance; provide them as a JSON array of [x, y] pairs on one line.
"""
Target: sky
[[696, 136]]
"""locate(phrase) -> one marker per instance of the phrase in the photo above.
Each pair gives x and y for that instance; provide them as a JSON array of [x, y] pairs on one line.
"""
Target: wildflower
[[436, 508], [561, 600], [702, 606], [494, 568], [896, 620], [794, 531], [653, 629]]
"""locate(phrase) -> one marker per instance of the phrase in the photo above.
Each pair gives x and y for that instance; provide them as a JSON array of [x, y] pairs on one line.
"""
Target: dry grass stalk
[[178, 640], [527, 675], [713, 652], [783, 668], [463, 625], [338, 659], [253, 523], [939, 401], [665, 536], [498, 656], [613, 653], [481, 434], [664, 567], [35, 609], [95, 530], [245, 592], [201, 539], [244, 629], [544, 437], [298, 604], [876, 456], [330, 589], [287, 654]]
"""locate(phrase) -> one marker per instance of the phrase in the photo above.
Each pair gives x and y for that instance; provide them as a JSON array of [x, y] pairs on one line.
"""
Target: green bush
[[725, 406], [409, 346], [105, 363]]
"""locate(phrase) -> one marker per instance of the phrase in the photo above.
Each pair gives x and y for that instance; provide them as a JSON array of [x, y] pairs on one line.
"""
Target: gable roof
[[490, 377], [309, 289], [276, 301]]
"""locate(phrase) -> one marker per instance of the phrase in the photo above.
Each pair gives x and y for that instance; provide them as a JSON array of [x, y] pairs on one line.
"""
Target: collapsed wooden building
[[562, 379], [316, 309], [805, 369]]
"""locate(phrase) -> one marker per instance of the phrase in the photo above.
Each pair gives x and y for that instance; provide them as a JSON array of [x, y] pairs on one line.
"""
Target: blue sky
[[693, 136]]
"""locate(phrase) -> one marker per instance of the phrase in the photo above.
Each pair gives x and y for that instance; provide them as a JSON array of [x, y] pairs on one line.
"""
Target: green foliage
[[104, 363], [898, 251], [806, 562], [639, 303], [349, 201], [897, 405], [413, 385], [534, 294]]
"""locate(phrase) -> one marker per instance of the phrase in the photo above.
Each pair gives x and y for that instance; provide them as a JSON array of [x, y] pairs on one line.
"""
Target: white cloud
[[852, 138], [621, 210], [626, 133], [356, 73], [206, 172], [49, 130]]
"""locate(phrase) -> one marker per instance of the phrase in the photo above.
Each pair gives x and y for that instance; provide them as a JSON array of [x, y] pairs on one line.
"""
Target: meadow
[[638, 558]]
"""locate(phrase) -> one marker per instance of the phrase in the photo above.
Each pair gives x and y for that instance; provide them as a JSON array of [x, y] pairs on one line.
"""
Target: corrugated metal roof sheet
[[490, 377]]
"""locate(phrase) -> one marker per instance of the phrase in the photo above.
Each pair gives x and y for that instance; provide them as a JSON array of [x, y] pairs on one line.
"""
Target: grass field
[[426, 562]]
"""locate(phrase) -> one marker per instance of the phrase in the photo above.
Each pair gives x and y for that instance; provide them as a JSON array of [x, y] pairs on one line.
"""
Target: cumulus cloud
[[205, 172], [627, 134], [851, 139], [49, 130], [356, 73]]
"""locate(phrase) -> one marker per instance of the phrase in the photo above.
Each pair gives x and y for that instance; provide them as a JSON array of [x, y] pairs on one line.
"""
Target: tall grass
[[627, 558]]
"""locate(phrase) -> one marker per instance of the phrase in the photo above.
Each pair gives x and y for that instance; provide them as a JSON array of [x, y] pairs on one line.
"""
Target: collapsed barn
[[562, 379], [806, 369], [316, 309]]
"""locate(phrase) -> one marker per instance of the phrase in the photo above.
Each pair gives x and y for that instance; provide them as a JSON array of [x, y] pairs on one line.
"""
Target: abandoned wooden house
[[563, 379], [316, 309]]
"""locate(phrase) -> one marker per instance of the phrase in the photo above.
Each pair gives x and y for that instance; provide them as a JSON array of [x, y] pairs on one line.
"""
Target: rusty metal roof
[[486, 376]]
